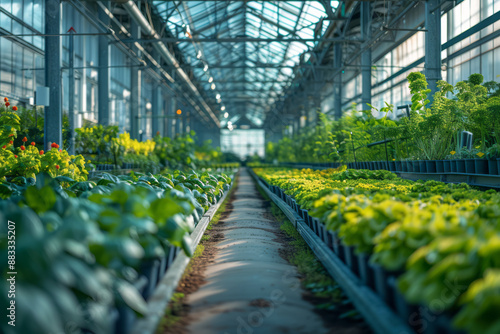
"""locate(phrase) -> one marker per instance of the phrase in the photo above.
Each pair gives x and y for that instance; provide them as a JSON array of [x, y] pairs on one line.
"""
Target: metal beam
[[238, 40], [103, 71], [432, 45], [53, 113], [366, 57]]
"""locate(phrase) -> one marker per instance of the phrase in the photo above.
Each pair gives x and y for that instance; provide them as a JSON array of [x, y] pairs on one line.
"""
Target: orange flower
[[15, 156], [6, 99], [11, 142], [57, 167], [42, 152], [11, 135], [60, 150], [32, 143], [25, 140], [14, 108], [54, 145], [22, 148], [4, 146]]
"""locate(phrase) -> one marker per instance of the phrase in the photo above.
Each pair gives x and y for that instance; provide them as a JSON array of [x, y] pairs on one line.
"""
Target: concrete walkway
[[249, 288]]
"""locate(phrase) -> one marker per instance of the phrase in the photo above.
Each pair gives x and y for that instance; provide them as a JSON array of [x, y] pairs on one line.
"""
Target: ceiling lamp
[[226, 114], [217, 96], [222, 108], [213, 86], [210, 79], [205, 68]]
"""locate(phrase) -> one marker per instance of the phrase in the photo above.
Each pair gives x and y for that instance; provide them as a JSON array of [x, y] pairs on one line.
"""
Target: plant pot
[[461, 166], [392, 166], [439, 166], [163, 268], [337, 248], [446, 166], [398, 166], [351, 260], [365, 271], [149, 269], [404, 166], [453, 166], [381, 286], [423, 166], [401, 306], [416, 166], [470, 166], [481, 166], [430, 165], [125, 321], [492, 167]]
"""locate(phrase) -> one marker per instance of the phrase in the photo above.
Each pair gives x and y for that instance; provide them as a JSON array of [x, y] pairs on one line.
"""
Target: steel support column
[[157, 111], [103, 71], [337, 81], [135, 83], [366, 56], [432, 45], [53, 113]]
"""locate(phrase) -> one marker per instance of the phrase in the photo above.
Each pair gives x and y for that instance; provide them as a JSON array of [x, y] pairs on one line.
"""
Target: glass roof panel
[[252, 47]]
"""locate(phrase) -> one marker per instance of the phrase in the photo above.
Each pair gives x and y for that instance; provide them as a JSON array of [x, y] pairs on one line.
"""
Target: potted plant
[[416, 166], [493, 158], [440, 166], [430, 165], [481, 164]]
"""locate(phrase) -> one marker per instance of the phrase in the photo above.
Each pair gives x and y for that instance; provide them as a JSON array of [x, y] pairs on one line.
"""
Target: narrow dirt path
[[242, 283], [249, 287]]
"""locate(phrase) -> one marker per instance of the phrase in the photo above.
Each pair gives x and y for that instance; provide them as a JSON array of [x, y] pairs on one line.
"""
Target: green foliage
[[80, 246], [429, 133], [445, 237]]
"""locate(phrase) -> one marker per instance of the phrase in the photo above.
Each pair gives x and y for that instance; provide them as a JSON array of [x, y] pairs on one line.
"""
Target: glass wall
[[243, 142], [478, 53]]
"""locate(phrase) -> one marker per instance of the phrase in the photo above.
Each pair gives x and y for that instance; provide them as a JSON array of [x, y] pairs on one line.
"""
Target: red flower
[[14, 108], [7, 104], [32, 143], [42, 152], [57, 167], [5, 99], [15, 156], [11, 135], [22, 148], [60, 150], [25, 140], [54, 145], [4, 146], [11, 142]]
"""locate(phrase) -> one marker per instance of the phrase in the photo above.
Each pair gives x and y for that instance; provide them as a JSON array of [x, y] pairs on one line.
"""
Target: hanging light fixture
[[205, 68], [223, 108], [217, 96], [199, 54], [213, 86], [226, 114], [210, 79]]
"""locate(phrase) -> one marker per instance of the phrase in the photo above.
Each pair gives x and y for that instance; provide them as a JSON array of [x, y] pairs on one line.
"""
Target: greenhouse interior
[[250, 167]]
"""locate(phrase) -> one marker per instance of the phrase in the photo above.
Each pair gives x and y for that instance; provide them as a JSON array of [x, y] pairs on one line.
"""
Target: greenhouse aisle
[[250, 288]]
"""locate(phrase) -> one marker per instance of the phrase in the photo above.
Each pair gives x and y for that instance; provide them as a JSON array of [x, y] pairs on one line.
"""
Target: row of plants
[[441, 240], [82, 246], [429, 133]]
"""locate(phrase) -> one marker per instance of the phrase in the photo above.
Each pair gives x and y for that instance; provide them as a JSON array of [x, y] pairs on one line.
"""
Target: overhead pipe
[[141, 20]]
